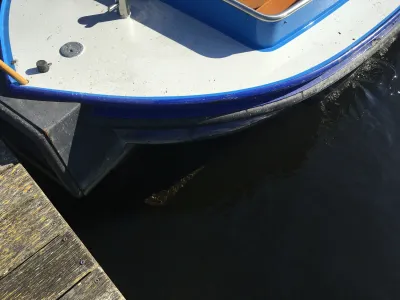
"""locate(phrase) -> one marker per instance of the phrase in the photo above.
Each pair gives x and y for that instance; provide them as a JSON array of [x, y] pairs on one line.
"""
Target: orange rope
[[21, 80]]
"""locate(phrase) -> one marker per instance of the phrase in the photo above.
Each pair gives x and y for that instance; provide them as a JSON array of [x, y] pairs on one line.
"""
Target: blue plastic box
[[252, 28]]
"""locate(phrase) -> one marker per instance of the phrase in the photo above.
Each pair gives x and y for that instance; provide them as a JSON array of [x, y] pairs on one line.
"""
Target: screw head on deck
[[71, 49]]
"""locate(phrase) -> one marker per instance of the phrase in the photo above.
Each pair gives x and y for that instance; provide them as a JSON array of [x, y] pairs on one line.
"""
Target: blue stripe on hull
[[240, 120]]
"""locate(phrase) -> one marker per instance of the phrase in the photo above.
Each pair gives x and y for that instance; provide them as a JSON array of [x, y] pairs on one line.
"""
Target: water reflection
[[303, 206]]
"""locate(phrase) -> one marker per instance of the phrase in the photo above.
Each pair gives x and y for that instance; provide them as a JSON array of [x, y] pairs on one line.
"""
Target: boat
[[86, 81]]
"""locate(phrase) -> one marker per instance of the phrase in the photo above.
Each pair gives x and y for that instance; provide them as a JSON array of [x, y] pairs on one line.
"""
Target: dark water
[[306, 205]]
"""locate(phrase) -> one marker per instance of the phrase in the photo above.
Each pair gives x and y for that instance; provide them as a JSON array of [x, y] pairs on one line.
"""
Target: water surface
[[303, 206]]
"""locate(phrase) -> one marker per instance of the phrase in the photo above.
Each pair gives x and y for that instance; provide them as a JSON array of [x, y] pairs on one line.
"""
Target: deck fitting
[[71, 49], [43, 66]]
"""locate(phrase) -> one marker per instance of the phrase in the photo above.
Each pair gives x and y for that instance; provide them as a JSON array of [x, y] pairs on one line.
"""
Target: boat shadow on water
[[173, 24]]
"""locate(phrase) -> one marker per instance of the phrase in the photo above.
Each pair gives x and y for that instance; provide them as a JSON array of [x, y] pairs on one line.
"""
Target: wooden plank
[[40, 256], [50, 272], [95, 286], [28, 220], [14, 182]]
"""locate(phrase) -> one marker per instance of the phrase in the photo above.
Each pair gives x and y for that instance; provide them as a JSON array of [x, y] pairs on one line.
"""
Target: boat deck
[[162, 52], [40, 256]]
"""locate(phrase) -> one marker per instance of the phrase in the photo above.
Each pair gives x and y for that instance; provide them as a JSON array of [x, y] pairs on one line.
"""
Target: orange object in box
[[274, 7], [253, 3], [269, 7]]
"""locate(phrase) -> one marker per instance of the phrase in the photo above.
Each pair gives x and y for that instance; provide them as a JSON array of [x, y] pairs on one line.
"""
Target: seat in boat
[[269, 7]]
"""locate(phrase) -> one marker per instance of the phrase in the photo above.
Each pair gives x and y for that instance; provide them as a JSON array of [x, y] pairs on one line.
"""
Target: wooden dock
[[40, 255]]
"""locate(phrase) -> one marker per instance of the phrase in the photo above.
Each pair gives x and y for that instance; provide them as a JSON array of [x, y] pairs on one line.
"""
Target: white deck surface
[[160, 51]]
